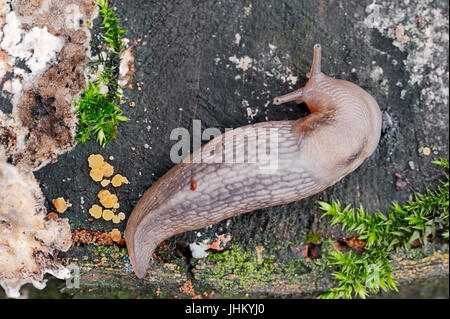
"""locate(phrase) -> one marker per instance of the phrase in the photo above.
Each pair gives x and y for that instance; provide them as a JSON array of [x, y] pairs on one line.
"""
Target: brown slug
[[313, 153]]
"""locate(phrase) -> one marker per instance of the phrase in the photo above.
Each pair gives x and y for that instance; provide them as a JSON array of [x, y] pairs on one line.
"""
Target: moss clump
[[369, 272], [97, 110]]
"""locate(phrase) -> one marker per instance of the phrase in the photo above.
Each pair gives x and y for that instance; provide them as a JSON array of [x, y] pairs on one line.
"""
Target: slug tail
[[139, 254]]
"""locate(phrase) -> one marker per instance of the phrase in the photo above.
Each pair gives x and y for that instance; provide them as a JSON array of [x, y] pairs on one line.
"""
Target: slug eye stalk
[[293, 96]]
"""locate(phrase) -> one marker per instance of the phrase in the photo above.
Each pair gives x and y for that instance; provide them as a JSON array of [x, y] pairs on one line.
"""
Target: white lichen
[[426, 46], [29, 240], [420, 29]]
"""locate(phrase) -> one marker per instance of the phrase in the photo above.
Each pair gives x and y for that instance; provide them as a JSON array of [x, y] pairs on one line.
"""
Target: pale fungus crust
[[29, 237], [426, 151], [45, 47]]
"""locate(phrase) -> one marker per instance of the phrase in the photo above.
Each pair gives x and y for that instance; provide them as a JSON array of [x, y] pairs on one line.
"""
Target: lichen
[[46, 44], [420, 30], [29, 239]]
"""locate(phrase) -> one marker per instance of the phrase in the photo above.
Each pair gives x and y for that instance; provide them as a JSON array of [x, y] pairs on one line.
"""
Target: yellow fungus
[[103, 194], [95, 161], [107, 169], [121, 216], [116, 219], [107, 214], [96, 174], [118, 180], [105, 182], [95, 211], [60, 205], [115, 235], [107, 202]]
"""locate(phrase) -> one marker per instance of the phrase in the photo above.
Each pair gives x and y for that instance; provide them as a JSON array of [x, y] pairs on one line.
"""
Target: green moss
[[243, 269], [369, 272], [98, 112]]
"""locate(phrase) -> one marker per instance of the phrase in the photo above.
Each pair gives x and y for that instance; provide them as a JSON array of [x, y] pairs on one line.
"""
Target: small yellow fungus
[[96, 174], [115, 235], [426, 151], [114, 199], [105, 182], [116, 219], [103, 194], [116, 205], [107, 202], [107, 169], [118, 180], [107, 214], [60, 205], [95, 161], [95, 211], [121, 216]]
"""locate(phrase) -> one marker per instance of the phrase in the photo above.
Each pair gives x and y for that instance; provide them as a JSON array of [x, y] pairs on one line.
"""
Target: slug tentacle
[[293, 96], [237, 175], [317, 61]]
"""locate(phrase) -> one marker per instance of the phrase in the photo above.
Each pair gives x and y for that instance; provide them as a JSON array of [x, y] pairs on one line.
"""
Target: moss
[[98, 112], [112, 251], [414, 223], [314, 237], [241, 269]]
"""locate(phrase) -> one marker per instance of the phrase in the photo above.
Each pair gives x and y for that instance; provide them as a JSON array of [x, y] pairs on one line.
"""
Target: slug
[[313, 153]]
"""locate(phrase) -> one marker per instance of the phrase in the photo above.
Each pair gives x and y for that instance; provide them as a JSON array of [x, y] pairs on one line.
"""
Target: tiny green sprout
[[370, 271]]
